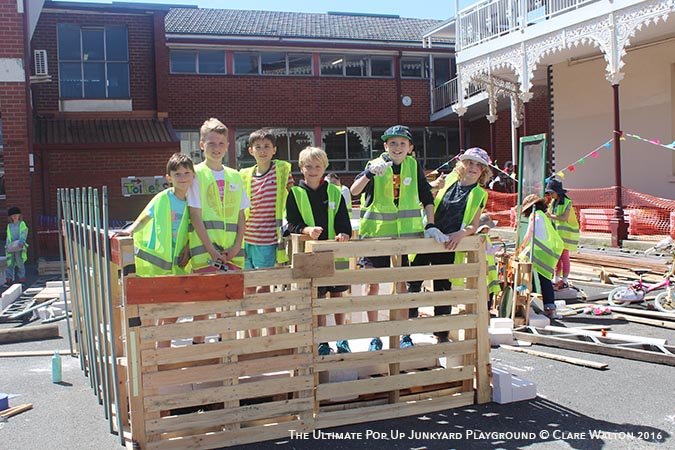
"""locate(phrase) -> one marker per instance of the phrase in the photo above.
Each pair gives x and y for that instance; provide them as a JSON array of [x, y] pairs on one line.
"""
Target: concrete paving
[[628, 406]]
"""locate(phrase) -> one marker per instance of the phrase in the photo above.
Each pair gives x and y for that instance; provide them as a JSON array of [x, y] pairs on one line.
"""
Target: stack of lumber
[[49, 267]]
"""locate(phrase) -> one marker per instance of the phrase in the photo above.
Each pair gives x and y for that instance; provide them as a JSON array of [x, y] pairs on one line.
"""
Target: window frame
[[196, 54], [342, 58], [259, 58]]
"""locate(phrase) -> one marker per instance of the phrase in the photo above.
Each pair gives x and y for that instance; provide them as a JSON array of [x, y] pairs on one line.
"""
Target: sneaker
[[324, 349], [343, 346], [375, 345], [406, 342], [552, 314]]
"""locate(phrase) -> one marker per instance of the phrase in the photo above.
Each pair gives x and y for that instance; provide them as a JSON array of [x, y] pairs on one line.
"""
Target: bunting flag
[[573, 167], [670, 146]]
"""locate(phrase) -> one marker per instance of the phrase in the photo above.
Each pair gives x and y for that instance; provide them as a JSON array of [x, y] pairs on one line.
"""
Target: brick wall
[[141, 56]]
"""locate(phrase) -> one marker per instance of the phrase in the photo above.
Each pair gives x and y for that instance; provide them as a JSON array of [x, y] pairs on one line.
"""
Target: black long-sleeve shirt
[[318, 199]]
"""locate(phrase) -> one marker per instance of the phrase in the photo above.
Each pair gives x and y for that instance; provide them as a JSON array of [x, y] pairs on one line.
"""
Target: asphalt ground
[[629, 406]]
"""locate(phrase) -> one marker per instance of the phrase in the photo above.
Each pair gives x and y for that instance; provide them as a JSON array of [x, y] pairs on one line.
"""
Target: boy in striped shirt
[[267, 184]]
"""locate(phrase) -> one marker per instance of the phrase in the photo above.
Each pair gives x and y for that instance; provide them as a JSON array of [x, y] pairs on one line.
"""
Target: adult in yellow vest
[[457, 209], [16, 248], [317, 209], [541, 246], [564, 218], [392, 188]]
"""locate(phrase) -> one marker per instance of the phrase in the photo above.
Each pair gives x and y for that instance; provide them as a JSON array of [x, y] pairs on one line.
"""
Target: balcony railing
[[447, 94], [490, 19]]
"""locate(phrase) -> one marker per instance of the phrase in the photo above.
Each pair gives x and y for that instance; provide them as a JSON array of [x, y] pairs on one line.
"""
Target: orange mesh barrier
[[646, 215]]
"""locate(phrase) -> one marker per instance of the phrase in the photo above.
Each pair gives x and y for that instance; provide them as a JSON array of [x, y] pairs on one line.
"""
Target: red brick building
[[111, 91]]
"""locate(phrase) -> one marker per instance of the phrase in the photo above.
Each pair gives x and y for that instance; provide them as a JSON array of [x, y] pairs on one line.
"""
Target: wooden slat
[[311, 265], [393, 382], [224, 325], [184, 288], [244, 413], [387, 247], [343, 361], [263, 277], [222, 349], [349, 304], [369, 414], [228, 393], [231, 438], [397, 274], [282, 299], [395, 328], [216, 372]]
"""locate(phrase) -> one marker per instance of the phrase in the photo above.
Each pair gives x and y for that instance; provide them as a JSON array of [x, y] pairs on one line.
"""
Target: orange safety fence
[[646, 215]]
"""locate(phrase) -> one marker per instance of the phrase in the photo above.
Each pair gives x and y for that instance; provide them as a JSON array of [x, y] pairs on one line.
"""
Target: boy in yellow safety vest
[[316, 208]]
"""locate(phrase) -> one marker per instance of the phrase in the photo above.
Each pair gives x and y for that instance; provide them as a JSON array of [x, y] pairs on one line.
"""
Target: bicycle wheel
[[624, 296], [665, 302]]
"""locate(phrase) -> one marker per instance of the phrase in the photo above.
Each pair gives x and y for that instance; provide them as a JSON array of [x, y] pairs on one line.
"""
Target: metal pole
[[62, 259], [617, 224], [74, 279], [104, 326], [113, 357], [93, 281], [91, 295]]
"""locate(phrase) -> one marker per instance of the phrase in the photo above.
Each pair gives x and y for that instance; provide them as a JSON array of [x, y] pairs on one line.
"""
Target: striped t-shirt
[[261, 226]]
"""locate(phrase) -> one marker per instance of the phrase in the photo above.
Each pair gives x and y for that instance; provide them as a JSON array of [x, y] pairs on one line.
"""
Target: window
[[433, 145], [417, 67], [93, 61], [272, 63], [289, 144], [356, 65], [444, 70], [189, 144], [347, 149], [198, 61]]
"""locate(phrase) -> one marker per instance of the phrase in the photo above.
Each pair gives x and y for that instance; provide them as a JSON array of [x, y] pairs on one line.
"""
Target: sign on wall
[[144, 185]]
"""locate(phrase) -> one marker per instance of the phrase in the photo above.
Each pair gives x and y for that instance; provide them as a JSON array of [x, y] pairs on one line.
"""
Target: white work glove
[[433, 232], [379, 168]]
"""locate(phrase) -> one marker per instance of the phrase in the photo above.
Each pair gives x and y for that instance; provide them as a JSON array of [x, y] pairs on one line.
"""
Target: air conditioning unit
[[40, 57]]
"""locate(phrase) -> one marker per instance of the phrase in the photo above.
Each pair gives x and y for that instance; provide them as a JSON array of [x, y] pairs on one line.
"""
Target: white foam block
[[560, 304], [56, 284], [501, 386], [538, 320], [522, 389], [498, 322], [11, 294], [499, 336], [537, 301]]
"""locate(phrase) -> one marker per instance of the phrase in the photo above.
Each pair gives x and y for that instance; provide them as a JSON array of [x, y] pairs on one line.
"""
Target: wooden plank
[[228, 393], [343, 361], [391, 411], [29, 333], [9, 412], [36, 353], [224, 325], [231, 438], [245, 413], [393, 382], [603, 349], [184, 288], [349, 304], [222, 349], [395, 328], [262, 277], [645, 321], [608, 335], [387, 247], [398, 274], [216, 372], [281, 299], [641, 312], [566, 359], [313, 265]]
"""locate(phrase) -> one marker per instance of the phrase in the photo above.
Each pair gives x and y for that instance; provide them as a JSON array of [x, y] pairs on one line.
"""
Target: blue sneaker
[[375, 345], [343, 346], [324, 349], [406, 342]]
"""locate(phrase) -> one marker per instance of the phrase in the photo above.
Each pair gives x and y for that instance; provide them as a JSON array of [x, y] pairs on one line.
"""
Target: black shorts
[[332, 289], [378, 262]]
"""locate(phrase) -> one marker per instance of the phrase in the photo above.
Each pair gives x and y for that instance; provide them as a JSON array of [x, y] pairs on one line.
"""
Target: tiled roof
[[241, 23], [101, 131]]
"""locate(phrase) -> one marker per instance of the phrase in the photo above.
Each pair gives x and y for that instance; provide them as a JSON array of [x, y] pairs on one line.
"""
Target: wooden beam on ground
[[33, 333], [566, 359], [646, 321], [15, 410], [602, 349]]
